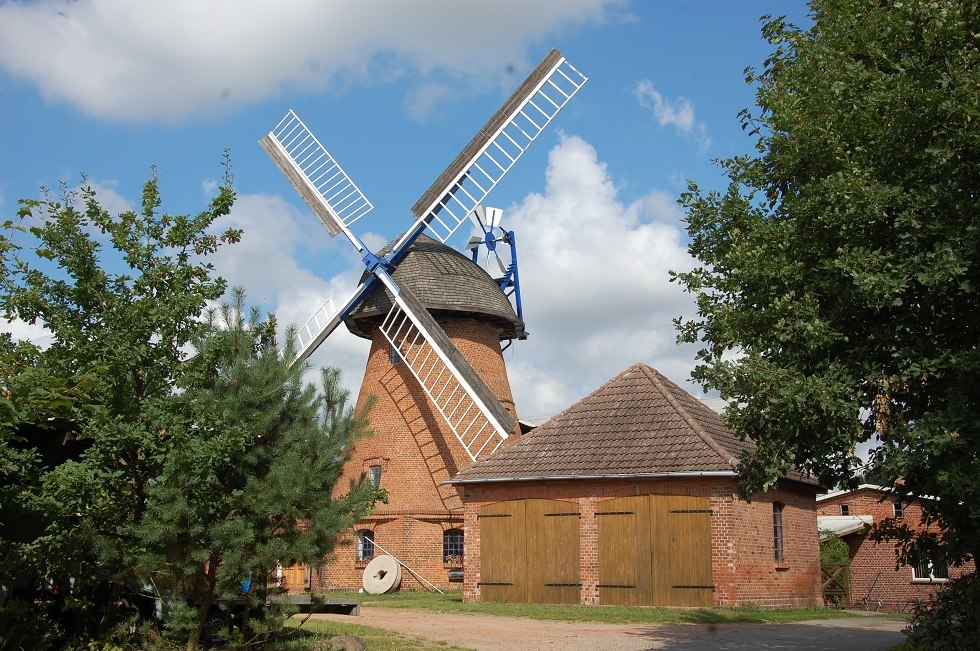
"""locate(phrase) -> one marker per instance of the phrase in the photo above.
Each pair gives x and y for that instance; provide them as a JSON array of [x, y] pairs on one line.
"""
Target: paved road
[[491, 633]]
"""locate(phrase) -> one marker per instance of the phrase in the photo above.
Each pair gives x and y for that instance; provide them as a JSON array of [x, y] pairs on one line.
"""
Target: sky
[[109, 90]]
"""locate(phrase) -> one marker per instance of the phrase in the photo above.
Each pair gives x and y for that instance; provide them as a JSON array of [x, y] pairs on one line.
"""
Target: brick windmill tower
[[435, 319]]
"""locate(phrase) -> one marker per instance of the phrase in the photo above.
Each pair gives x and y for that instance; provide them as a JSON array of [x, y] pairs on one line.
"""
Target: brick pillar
[[471, 551], [724, 549], [588, 551]]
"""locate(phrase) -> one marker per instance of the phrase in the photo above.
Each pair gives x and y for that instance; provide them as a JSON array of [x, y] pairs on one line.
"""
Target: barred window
[[777, 531], [452, 545], [365, 545]]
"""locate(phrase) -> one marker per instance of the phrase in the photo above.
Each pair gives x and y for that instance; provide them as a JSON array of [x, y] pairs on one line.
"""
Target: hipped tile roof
[[637, 424]]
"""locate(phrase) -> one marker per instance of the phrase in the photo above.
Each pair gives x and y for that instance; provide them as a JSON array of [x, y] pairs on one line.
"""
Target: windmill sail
[[322, 183], [497, 146], [326, 319], [467, 404]]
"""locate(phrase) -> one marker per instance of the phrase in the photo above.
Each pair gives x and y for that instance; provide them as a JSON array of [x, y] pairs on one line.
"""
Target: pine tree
[[247, 481], [121, 296]]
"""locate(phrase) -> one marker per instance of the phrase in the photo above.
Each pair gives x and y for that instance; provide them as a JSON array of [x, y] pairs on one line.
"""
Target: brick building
[[875, 573], [628, 497], [412, 452]]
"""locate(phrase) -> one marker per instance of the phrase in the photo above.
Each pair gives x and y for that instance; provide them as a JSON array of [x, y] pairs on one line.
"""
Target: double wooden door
[[529, 551], [652, 550], [655, 550]]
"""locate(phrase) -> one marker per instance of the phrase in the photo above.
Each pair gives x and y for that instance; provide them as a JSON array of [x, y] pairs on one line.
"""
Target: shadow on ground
[[840, 635]]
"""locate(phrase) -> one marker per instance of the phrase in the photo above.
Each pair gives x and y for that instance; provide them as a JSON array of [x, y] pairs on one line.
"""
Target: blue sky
[[394, 89]]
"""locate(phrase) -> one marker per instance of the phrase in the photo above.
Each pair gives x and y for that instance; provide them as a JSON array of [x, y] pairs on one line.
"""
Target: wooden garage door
[[529, 552], [655, 550], [502, 551], [686, 543], [552, 552], [624, 551]]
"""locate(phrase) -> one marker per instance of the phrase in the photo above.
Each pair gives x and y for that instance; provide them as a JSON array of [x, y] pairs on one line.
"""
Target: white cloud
[[678, 113], [108, 197], [595, 285], [167, 61], [265, 262], [424, 101], [20, 330]]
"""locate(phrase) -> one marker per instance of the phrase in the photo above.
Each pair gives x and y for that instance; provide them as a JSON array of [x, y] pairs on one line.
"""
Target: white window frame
[[932, 578], [364, 537]]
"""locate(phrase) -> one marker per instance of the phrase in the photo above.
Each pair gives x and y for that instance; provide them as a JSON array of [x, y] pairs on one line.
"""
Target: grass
[[314, 631], [452, 602], [377, 639]]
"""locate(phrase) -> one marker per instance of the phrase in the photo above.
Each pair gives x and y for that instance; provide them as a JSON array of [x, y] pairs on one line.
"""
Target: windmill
[[474, 415]]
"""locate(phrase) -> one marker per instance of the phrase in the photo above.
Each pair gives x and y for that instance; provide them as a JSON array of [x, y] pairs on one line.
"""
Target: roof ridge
[[654, 376], [578, 402]]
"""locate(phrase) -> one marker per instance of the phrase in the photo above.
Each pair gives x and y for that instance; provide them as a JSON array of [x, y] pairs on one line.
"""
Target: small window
[[777, 532], [365, 545], [845, 509], [393, 356], [927, 569], [374, 474], [452, 546], [898, 509]]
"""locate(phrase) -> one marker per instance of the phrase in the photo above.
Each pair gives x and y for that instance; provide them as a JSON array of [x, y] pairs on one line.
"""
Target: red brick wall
[[743, 567], [875, 572], [417, 453], [757, 578]]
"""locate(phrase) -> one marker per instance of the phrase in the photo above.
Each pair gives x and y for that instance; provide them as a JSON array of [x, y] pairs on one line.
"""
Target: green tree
[[34, 407], [838, 288], [255, 453], [118, 341]]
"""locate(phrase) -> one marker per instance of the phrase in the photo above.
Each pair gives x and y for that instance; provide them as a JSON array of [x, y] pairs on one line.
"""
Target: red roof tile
[[639, 423]]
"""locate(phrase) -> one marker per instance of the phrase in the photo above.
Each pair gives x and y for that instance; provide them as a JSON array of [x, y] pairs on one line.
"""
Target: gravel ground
[[493, 633]]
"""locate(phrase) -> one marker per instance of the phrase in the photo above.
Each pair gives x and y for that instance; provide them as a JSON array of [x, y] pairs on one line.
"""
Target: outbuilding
[[629, 497], [878, 580]]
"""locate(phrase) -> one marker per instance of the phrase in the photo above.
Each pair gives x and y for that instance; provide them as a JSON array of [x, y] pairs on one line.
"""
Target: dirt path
[[493, 633]]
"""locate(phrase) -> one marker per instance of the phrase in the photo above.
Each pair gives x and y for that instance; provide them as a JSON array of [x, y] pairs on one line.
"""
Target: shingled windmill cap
[[448, 283]]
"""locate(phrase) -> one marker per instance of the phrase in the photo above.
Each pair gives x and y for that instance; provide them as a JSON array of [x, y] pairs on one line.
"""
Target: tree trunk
[[203, 606]]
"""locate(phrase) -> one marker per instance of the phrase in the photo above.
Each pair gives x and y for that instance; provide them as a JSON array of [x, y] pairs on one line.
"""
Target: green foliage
[[837, 293], [28, 624], [950, 622], [186, 473], [834, 551], [104, 381], [246, 482]]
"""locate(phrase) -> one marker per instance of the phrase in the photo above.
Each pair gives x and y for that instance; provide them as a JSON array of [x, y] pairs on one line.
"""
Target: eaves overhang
[[632, 475]]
